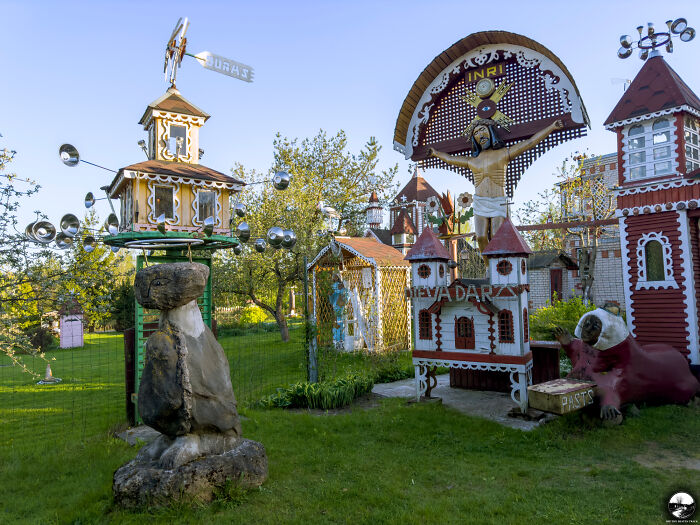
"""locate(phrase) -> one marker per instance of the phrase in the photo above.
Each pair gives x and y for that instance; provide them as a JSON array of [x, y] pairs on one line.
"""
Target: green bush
[[326, 395], [252, 315], [122, 312], [42, 338], [561, 313]]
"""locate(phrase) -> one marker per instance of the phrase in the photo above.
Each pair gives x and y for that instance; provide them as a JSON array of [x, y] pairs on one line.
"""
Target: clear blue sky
[[83, 72]]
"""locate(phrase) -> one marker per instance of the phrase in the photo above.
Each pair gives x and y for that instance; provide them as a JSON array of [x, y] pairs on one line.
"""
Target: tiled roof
[[174, 169], [417, 189], [373, 198], [403, 224], [656, 87], [371, 248], [383, 235], [545, 259], [428, 246], [174, 102], [507, 241]]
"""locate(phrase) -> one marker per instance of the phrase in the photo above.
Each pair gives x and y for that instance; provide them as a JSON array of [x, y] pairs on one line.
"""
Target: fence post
[[311, 349]]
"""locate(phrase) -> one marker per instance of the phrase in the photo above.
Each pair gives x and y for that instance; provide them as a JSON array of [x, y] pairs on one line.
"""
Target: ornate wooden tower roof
[[507, 241], [427, 247], [656, 90]]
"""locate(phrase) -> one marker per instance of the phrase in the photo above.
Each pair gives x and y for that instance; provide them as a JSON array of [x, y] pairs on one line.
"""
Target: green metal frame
[[204, 302], [212, 242]]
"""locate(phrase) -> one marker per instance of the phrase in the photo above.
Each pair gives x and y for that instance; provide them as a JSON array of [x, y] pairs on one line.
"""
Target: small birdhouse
[[172, 182]]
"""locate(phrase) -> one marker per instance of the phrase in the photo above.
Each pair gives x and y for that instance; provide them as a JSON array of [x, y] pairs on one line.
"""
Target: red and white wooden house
[[657, 127], [472, 324]]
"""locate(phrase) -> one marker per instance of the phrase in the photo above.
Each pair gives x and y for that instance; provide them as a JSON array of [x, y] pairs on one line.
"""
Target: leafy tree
[[322, 171], [92, 277], [576, 197], [18, 284]]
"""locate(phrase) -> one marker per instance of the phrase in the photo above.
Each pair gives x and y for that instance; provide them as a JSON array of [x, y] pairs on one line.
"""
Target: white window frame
[[196, 219], [692, 146], [649, 163], [642, 282]]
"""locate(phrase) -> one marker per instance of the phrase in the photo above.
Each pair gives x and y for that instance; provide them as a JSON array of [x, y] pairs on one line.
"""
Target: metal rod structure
[[97, 165]]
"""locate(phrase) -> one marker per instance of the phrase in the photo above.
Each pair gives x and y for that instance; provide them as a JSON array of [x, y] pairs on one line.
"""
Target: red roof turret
[[428, 246], [403, 224], [657, 88], [507, 241]]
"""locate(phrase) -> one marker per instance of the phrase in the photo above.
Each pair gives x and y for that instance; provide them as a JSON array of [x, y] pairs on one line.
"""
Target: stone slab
[[494, 406]]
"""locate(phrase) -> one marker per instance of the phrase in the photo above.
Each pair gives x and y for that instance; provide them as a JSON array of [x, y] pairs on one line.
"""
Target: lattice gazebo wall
[[376, 315]]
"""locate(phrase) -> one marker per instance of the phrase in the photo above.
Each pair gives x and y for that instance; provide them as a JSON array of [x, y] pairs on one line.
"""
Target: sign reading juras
[[225, 66]]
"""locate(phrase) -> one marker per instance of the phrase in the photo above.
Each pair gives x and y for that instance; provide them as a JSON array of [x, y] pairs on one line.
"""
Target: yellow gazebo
[[172, 182]]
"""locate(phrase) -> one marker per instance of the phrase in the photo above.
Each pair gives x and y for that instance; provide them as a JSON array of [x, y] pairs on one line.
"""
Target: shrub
[[42, 337], [326, 395], [252, 315], [561, 313], [122, 312]]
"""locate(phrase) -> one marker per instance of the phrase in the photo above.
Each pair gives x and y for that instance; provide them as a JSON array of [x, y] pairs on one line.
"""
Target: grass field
[[395, 463], [391, 463]]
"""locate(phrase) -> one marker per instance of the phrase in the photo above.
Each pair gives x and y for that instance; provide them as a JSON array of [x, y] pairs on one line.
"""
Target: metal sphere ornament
[[238, 249], [69, 225], [239, 209], [89, 200], [260, 245], [69, 155], [275, 236], [281, 180], [208, 226], [89, 244], [44, 232], [29, 232], [243, 232], [289, 239], [63, 242], [160, 223], [112, 224]]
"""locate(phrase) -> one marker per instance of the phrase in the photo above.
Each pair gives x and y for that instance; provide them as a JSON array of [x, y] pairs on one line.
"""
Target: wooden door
[[555, 287]]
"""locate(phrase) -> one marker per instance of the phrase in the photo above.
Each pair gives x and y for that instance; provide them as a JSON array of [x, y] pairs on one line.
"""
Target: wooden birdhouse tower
[[657, 125], [172, 182]]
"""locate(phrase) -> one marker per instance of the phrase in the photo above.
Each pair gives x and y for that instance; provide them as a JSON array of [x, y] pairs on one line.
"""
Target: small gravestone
[[185, 394]]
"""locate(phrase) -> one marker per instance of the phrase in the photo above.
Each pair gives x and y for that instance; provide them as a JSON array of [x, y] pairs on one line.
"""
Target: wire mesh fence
[[89, 399], [260, 361]]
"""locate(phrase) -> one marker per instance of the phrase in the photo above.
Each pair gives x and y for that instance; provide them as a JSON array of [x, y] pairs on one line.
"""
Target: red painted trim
[[438, 333], [492, 331], [476, 358]]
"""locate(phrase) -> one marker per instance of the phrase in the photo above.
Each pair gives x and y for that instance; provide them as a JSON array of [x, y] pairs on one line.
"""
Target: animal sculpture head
[[167, 286], [602, 328]]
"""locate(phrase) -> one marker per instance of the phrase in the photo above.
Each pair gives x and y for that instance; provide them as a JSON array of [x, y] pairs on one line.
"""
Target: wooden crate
[[561, 396]]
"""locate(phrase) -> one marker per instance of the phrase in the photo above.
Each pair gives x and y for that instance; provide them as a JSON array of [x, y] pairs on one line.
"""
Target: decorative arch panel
[[533, 88]]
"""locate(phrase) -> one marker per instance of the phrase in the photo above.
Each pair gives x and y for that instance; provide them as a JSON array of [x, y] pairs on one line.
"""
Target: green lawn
[[396, 463]]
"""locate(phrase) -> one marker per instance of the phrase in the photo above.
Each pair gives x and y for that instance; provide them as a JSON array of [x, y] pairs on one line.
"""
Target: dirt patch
[[659, 458], [366, 402]]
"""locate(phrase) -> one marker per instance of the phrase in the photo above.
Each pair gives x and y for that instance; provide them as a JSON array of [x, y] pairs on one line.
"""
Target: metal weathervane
[[177, 48], [653, 39]]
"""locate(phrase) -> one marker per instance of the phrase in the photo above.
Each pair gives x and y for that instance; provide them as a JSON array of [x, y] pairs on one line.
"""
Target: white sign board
[[225, 66]]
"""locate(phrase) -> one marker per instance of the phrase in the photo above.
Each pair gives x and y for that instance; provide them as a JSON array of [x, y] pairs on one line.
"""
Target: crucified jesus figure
[[488, 162]]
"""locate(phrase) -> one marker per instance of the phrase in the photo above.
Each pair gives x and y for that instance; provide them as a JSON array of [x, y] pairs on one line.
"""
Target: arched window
[[654, 262], [526, 325], [424, 271], [425, 325], [654, 258], [522, 266], [441, 270], [464, 333], [505, 327]]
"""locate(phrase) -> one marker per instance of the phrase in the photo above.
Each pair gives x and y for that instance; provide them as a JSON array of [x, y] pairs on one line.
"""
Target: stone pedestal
[[143, 481]]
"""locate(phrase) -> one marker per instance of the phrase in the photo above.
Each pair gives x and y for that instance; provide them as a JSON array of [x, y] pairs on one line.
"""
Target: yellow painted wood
[[561, 396]]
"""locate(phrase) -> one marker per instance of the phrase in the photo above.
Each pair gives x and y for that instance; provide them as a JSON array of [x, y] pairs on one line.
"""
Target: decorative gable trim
[[648, 116]]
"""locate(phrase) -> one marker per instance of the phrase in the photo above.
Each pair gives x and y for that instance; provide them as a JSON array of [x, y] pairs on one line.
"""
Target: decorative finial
[[654, 40]]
